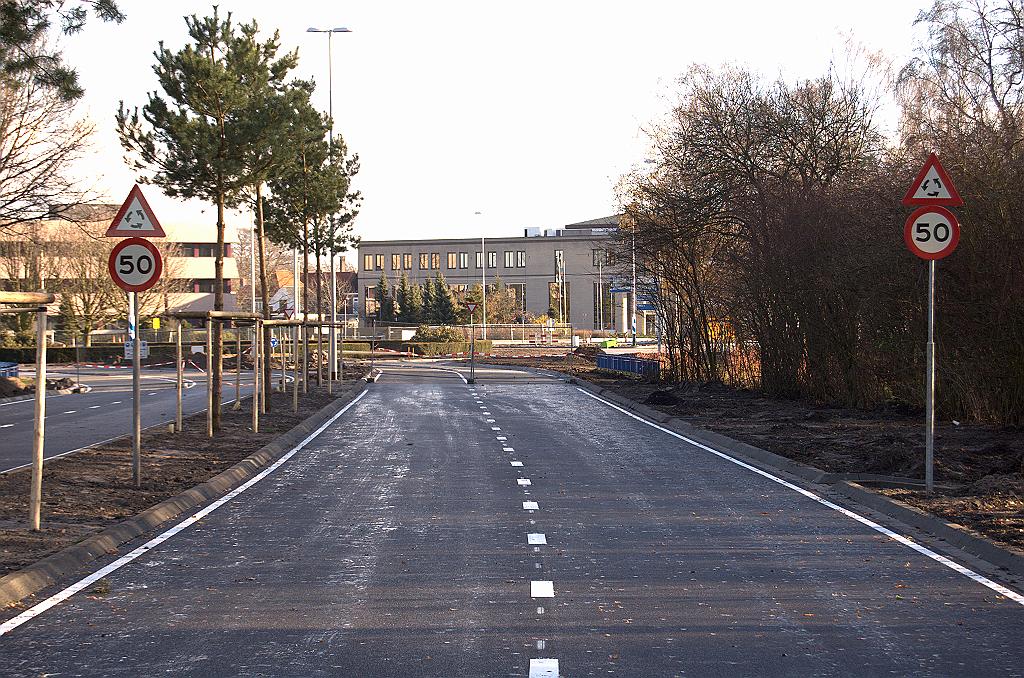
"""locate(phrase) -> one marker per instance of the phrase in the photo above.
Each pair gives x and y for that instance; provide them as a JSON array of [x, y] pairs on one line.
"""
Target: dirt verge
[[980, 467], [91, 490]]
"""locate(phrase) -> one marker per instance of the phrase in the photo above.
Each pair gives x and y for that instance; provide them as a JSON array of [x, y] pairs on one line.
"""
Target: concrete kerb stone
[[958, 536], [48, 571]]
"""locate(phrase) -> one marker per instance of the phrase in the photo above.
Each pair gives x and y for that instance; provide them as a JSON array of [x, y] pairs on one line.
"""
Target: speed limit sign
[[932, 232], [135, 264]]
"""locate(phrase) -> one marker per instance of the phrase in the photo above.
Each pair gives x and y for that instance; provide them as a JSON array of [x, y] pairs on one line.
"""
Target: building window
[[603, 314], [378, 262], [479, 259], [453, 261], [510, 259], [207, 286], [492, 260], [463, 259], [396, 262], [367, 262], [435, 260], [520, 291], [407, 261], [424, 261], [559, 262], [600, 258], [370, 300], [558, 301], [521, 259]]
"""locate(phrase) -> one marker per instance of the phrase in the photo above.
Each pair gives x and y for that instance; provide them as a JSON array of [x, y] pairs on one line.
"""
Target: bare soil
[[980, 468], [92, 490]]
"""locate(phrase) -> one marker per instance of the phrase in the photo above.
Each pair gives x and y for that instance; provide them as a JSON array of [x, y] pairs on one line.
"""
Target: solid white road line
[[543, 668], [536, 538], [956, 567], [530, 506], [63, 595], [542, 589]]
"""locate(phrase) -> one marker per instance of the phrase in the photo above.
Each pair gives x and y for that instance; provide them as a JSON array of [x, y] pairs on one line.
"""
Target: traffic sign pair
[[135, 264], [932, 231]]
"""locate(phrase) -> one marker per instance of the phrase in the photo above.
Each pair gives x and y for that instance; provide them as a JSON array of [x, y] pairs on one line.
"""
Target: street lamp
[[483, 278], [332, 371]]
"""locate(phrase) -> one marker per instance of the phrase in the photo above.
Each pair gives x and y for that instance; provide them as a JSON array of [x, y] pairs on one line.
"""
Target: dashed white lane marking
[[485, 413], [502, 438], [514, 463], [536, 538], [6, 425], [95, 407], [956, 567], [523, 482], [543, 668], [542, 589], [495, 428], [63, 595], [530, 506], [490, 421], [153, 393], [70, 411], [508, 449], [116, 402]]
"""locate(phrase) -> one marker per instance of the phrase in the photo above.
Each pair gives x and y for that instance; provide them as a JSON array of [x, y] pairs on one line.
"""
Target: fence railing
[[628, 363], [8, 369]]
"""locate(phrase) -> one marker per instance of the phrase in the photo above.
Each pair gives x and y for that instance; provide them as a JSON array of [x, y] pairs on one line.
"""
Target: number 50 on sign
[[931, 232], [135, 264]]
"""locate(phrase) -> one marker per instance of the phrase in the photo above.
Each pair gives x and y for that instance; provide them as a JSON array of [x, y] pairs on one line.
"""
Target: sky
[[483, 117]]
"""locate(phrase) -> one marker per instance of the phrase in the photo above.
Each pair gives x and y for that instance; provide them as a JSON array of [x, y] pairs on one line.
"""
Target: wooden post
[[179, 378], [35, 502], [209, 378]]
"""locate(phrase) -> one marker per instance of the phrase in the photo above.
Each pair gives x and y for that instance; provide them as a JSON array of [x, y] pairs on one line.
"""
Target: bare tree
[[40, 138]]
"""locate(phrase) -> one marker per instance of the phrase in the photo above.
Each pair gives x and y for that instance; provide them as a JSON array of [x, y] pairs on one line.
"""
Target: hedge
[[435, 348]]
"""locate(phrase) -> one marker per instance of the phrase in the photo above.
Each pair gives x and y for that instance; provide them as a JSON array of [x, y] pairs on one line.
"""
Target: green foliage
[[444, 311], [443, 333], [429, 295], [24, 25], [385, 299], [409, 300]]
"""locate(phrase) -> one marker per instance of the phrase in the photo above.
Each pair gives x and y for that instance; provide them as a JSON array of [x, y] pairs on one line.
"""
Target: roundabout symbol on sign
[[932, 232], [135, 264]]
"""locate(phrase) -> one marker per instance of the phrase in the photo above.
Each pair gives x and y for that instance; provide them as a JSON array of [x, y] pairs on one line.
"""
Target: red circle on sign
[[931, 232], [130, 268]]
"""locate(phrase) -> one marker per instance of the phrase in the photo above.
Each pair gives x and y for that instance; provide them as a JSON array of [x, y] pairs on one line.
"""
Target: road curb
[[957, 536], [48, 571]]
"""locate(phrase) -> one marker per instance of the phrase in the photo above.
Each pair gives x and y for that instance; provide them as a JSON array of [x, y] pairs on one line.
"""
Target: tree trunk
[[264, 291], [305, 304]]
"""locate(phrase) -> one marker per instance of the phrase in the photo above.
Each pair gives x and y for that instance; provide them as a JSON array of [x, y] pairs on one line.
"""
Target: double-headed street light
[[333, 343]]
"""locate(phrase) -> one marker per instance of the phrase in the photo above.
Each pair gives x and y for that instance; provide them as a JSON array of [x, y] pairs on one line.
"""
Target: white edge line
[[66, 593], [906, 541]]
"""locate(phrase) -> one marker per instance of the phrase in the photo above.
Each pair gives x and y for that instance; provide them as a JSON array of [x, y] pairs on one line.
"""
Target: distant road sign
[[135, 264], [274, 342], [932, 186], [932, 232], [129, 348], [135, 218], [471, 306]]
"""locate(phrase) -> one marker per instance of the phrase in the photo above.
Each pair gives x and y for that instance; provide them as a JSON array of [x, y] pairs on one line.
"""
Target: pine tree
[[444, 303], [402, 294], [415, 313], [428, 316], [385, 300]]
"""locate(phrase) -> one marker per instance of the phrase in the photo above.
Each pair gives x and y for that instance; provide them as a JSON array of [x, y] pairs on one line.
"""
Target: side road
[[36, 576]]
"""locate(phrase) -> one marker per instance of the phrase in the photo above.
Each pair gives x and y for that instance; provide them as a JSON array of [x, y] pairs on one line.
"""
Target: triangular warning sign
[[135, 219], [471, 306], [932, 187]]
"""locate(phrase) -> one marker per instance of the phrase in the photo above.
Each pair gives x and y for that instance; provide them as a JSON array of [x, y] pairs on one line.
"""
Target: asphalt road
[[78, 420], [401, 541]]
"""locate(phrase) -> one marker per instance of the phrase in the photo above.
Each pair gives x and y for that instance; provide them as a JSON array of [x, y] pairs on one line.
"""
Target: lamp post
[[332, 369], [483, 279]]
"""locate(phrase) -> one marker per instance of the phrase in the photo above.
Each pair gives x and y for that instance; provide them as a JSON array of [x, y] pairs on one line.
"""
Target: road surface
[[77, 420], [518, 527]]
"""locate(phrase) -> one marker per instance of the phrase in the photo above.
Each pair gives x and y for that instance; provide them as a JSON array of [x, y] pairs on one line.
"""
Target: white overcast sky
[[525, 111]]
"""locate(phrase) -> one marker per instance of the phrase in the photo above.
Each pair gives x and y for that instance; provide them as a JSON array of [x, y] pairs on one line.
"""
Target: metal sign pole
[[35, 502], [295, 367], [238, 369], [136, 391], [929, 389], [255, 378]]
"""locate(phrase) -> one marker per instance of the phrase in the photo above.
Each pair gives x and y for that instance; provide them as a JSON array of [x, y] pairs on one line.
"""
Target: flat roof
[[470, 241]]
